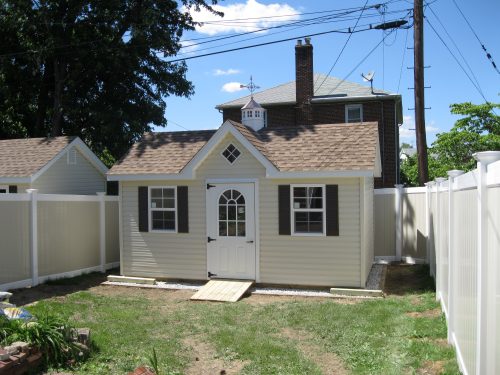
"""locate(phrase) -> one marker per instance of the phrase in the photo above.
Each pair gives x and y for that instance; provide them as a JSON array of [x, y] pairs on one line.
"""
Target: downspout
[[396, 137], [382, 151]]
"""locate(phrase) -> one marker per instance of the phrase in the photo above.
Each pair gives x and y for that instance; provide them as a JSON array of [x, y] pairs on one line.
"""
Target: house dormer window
[[249, 114], [231, 153], [257, 114], [354, 113]]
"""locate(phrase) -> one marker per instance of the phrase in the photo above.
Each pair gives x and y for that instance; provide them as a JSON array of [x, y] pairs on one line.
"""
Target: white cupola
[[253, 115]]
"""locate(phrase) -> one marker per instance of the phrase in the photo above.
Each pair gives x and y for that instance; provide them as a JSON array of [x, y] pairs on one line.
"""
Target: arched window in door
[[232, 214]]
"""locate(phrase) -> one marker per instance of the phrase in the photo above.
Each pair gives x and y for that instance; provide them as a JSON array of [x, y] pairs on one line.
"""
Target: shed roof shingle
[[323, 86], [327, 147], [24, 157]]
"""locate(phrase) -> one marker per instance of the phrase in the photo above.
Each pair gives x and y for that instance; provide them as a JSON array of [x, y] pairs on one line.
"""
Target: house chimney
[[304, 85]]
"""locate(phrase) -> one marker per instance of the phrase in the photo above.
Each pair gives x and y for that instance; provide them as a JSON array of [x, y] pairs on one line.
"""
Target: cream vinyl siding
[[414, 226], [112, 233], [64, 178], [14, 241], [311, 260], [368, 227], [179, 255], [385, 224], [216, 165], [73, 226]]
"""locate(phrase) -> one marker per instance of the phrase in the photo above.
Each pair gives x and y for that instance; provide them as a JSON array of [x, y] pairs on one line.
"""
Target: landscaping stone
[[20, 362], [83, 336], [4, 354], [21, 345], [142, 371]]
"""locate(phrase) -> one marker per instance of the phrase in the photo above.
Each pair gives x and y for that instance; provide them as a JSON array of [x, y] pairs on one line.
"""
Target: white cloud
[[188, 47], [407, 130], [222, 72], [247, 16], [232, 87]]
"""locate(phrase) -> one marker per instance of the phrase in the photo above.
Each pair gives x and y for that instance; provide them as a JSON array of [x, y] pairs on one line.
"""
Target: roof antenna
[[369, 78], [251, 86]]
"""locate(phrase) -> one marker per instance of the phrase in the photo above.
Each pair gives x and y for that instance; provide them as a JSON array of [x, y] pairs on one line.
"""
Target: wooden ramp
[[222, 290]]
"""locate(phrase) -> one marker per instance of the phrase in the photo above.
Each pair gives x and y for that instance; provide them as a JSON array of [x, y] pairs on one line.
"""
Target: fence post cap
[[440, 179], [31, 191], [399, 186], [455, 173], [487, 157], [430, 183]]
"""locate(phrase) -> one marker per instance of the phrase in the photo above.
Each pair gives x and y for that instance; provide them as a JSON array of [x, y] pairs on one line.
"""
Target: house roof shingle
[[285, 93], [326, 147], [24, 157]]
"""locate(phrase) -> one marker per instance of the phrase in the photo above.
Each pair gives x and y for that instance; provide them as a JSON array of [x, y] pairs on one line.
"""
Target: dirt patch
[[432, 368], [262, 299], [441, 342], [329, 363], [434, 313], [404, 279], [204, 360]]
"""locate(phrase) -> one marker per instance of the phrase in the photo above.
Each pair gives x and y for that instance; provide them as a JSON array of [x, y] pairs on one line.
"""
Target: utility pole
[[418, 73]]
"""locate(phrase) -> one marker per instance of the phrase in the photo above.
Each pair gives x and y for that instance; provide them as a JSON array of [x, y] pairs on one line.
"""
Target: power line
[[362, 61], [471, 71], [268, 43], [457, 61], [403, 59], [488, 55], [177, 124], [343, 48]]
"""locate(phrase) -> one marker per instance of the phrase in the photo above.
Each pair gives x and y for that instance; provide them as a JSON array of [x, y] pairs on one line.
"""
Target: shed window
[[354, 113], [257, 113], [249, 113], [308, 209], [4, 189], [163, 208], [231, 153]]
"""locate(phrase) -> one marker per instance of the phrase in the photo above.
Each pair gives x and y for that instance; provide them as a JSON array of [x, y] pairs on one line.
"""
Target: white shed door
[[231, 231]]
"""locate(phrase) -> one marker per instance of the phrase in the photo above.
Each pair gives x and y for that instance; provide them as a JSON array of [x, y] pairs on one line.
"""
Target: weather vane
[[251, 86]]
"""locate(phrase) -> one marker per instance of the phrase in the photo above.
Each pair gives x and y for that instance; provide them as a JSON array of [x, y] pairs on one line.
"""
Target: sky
[[217, 78]]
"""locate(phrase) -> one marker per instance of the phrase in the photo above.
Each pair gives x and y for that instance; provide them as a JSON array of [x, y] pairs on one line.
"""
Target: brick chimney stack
[[304, 83]]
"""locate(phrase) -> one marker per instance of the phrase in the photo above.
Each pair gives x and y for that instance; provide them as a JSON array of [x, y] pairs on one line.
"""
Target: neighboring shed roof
[[24, 157], [163, 152], [285, 93], [329, 147]]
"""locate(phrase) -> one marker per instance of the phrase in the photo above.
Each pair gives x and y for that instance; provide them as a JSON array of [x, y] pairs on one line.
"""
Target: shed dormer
[[253, 115]]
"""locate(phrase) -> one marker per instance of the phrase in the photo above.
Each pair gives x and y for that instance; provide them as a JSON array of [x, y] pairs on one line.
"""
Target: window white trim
[[235, 148], [353, 106], [293, 210], [150, 210], [4, 187]]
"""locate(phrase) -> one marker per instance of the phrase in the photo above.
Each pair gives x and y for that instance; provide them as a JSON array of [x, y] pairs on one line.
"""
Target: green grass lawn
[[401, 334]]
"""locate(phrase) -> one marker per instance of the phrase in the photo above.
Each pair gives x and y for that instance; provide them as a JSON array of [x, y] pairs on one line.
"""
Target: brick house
[[318, 99]]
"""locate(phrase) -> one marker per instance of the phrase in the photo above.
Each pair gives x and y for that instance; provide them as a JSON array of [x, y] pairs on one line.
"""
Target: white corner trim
[[63, 275], [84, 150]]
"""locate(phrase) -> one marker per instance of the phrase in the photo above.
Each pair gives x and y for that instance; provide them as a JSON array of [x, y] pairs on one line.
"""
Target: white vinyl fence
[[454, 225], [49, 236]]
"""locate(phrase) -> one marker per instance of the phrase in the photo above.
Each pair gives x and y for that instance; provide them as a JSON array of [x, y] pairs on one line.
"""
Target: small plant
[[153, 362], [49, 334]]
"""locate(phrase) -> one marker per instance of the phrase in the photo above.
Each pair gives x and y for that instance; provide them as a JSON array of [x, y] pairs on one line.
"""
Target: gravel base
[[376, 278]]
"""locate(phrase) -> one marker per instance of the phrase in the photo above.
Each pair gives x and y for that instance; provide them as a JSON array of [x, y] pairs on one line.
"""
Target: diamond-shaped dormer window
[[231, 153]]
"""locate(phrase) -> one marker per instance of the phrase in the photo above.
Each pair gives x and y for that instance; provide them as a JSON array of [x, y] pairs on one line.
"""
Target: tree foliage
[[478, 130], [91, 68]]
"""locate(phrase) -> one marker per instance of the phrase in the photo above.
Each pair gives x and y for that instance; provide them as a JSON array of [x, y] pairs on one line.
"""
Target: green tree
[[478, 130], [91, 68]]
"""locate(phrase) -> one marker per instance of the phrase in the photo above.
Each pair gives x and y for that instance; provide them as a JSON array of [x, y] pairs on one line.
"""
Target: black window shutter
[[182, 209], [143, 209], [12, 189], [112, 187], [284, 209], [332, 210]]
